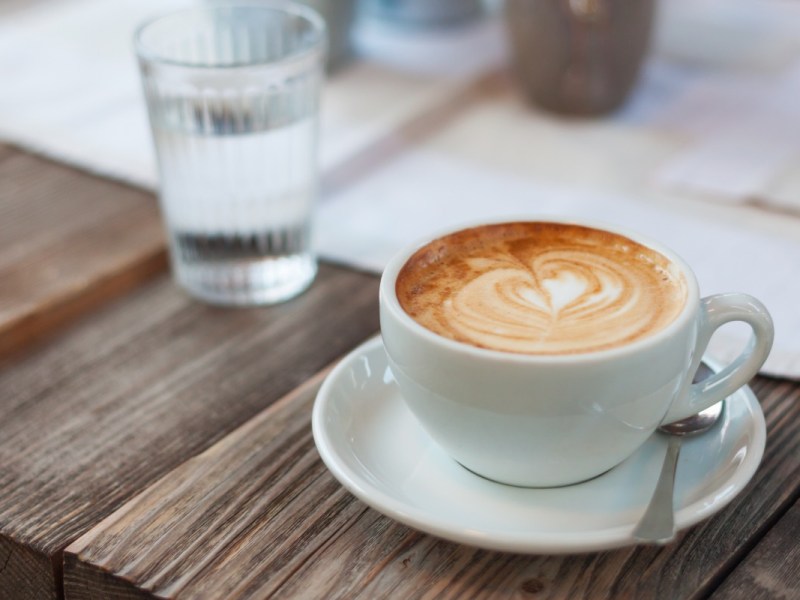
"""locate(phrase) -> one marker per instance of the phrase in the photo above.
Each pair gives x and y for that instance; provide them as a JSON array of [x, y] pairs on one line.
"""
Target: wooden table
[[155, 447]]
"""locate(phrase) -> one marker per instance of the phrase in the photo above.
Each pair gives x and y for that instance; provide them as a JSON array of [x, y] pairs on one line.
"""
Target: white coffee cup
[[541, 420]]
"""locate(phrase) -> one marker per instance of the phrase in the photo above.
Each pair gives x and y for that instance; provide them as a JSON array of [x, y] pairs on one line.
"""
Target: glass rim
[[317, 46]]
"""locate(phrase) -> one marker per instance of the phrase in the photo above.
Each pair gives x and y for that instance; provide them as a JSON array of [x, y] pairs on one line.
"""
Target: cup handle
[[715, 311]]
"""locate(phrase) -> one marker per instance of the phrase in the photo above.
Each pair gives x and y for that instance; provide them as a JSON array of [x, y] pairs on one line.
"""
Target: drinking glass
[[232, 93]]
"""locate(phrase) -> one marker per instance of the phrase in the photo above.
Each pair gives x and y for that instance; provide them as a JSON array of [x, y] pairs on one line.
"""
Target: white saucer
[[374, 446]]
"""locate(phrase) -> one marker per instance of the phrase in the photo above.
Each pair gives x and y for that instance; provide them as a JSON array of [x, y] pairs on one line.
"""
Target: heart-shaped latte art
[[569, 298], [565, 288], [559, 298]]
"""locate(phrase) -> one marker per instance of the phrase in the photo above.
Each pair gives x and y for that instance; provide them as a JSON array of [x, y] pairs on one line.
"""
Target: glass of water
[[233, 96]]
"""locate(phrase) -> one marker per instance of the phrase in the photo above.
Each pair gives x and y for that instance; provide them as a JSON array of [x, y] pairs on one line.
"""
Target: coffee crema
[[541, 288]]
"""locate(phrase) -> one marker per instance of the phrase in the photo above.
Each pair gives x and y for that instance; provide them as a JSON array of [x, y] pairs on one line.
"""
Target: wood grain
[[5, 152], [237, 519], [68, 243], [107, 407], [389, 560], [19, 563], [772, 570], [257, 515]]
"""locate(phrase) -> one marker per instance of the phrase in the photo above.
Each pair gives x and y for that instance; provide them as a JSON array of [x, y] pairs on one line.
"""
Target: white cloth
[[69, 86], [425, 191]]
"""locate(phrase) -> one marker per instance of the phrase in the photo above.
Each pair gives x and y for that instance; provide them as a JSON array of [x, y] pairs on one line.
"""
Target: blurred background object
[[579, 57], [423, 13], [339, 15]]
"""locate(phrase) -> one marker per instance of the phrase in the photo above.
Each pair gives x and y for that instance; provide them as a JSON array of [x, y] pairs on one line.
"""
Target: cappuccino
[[541, 288]]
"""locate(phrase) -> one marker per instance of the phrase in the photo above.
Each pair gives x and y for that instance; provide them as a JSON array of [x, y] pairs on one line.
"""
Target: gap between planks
[[300, 392]]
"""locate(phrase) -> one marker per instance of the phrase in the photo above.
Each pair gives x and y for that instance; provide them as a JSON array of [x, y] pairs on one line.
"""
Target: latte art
[[541, 288]]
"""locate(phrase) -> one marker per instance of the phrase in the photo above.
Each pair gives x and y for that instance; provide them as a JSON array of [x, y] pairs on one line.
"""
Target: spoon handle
[[658, 523]]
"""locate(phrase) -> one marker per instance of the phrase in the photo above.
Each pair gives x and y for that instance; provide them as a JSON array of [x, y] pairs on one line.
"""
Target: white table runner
[[69, 86], [426, 191]]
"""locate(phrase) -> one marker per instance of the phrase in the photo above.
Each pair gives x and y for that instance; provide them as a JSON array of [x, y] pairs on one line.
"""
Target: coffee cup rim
[[388, 294]]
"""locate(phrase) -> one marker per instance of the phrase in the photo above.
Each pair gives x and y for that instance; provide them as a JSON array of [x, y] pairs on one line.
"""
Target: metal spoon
[[658, 523]]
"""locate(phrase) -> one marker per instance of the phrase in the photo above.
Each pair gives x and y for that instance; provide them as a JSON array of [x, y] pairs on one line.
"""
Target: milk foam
[[541, 288]]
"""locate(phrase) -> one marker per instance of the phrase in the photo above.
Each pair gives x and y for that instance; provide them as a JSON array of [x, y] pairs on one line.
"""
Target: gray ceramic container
[[339, 15], [579, 57]]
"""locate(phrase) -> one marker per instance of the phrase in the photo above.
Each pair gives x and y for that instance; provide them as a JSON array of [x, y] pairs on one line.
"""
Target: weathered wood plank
[[248, 506], [772, 570], [383, 561], [32, 568], [257, 515], [107, 407], [68, 242]]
